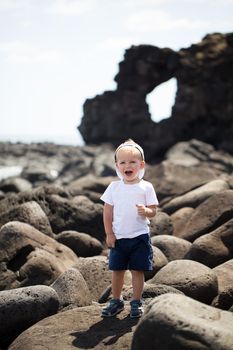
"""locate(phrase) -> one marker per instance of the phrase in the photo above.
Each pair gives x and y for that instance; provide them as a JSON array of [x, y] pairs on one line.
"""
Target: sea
[[73, 139]]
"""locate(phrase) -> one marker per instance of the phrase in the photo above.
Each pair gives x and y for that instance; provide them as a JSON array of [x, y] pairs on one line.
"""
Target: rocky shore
[[54, 275]]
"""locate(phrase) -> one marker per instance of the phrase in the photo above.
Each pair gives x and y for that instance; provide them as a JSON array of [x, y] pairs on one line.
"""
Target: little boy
[[128, 204]]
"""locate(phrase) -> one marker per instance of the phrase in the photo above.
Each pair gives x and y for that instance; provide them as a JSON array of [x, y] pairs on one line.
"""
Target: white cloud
[[9, 4], [155, 21], [133, 3], [20, 52], [12, 5], [71, 7]]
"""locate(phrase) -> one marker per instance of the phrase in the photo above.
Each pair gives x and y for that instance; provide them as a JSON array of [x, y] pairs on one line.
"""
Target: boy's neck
[[131, 182]]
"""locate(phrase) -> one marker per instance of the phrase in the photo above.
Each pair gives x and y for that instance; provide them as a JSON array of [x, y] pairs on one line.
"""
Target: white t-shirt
[[124, 197]]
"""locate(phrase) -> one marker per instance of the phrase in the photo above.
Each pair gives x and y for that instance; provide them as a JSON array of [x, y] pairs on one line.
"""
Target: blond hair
[[130, 143]]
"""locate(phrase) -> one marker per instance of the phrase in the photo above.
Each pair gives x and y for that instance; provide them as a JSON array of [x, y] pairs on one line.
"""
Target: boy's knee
[[136, 272]]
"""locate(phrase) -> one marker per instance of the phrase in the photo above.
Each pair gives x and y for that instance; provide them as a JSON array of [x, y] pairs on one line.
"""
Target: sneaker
[[136, 309], [113, 308]]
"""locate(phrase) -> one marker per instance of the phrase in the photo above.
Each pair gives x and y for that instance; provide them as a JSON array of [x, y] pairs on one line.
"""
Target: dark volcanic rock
[[72, 290], [197, 196], [192, 278], [62, 211], [81, 243], [209, 215], [29, 257], [224, 275], [15, 184], [161, 224], [20, 308], [214, 248], [179, 219], [64, 214], [96, 274], [79, 328], [203, 103], [30, 213], [150, 291], [159, 260], [224, 300], [174, 321], [172, 247]]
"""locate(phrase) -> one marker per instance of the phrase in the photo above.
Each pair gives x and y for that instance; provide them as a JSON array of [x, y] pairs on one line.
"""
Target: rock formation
[[187, 323], [203, 106], [54, 261]]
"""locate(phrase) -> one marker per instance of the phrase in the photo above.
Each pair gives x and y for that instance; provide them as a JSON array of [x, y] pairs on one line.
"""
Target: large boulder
[[224, 275], [62, 211], [29, 212], [38, 194], [170, 179], [21, 308], [172, 247], [197, 196], [215, 247], [29, 257], [81, 243], [159, 260], [209, 215], [192, 278], [15, 184], [177, 322], [79, 328], [194, 152], [150, 291], [72, 290], [89, 185], [224, 300], [161, 224], [96, 274], [64, 214], [38, 173], [179, 219]]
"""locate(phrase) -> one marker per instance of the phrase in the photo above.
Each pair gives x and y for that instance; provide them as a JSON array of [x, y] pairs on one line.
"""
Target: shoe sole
[[140, 313], [136, 316], [117, 312]]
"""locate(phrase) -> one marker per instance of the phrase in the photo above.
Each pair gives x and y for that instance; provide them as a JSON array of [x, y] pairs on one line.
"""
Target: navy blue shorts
[[132, 254]]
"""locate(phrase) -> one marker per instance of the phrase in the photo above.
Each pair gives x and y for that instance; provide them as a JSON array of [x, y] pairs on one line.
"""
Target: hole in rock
[[20, 258], [162, 99]]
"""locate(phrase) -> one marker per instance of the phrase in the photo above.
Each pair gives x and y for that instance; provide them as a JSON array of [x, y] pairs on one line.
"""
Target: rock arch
[[162, 99], [204, 103]]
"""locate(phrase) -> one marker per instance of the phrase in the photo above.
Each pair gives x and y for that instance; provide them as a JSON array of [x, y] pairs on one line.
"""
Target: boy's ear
[[142, 164]]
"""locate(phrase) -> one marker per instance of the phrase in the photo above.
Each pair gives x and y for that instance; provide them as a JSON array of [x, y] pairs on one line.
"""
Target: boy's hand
[[148, 212], [110, 240], [141, 209]]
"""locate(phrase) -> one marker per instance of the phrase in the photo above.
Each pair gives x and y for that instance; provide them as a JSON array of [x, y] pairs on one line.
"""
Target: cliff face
[[203, 107]]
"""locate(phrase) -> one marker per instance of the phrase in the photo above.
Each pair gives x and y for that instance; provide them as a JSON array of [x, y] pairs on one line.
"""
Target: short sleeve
[[107, 195], [151, 197]]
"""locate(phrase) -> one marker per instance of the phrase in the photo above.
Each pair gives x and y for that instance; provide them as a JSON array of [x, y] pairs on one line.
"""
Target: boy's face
[[129, 162]]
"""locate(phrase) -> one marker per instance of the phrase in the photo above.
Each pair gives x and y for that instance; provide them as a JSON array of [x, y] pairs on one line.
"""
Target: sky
[[54, 54]]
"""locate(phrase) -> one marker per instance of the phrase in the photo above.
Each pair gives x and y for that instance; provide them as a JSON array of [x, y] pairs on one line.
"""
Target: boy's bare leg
[[117, 283], [138, 284]]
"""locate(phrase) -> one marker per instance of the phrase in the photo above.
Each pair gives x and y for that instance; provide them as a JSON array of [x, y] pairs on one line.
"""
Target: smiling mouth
[[128, 172]]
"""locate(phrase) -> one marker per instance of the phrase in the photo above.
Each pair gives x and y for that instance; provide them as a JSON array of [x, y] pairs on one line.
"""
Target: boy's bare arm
[[108, 217], [148, 211]]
